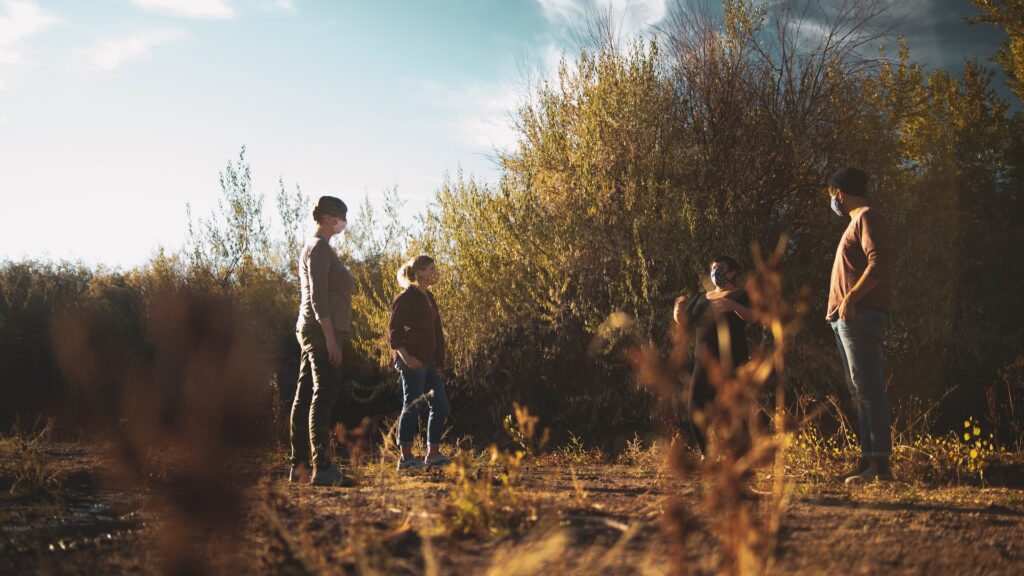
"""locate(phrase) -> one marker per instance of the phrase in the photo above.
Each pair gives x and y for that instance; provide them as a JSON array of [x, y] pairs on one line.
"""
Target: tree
[[1009, 15], [293, 209], [233, 241]]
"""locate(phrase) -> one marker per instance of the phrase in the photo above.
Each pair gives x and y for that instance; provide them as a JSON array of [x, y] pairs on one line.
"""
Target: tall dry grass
[[741, 440]]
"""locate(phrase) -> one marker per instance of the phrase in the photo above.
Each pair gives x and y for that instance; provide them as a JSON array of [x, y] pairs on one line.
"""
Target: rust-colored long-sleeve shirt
[[416, 326], [327, 286], [863, 249]]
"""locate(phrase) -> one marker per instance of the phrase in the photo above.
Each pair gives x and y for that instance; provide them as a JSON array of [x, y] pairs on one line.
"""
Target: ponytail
[[408, 273]]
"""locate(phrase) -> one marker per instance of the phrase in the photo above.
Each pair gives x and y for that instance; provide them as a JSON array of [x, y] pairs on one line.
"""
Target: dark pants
[[315, 396], [415, 383], [859, 340], [702, 394]]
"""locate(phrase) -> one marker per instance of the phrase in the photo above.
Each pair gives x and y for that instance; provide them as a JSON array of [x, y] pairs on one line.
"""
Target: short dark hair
[[851, 181], [731, 262], [329, 205]]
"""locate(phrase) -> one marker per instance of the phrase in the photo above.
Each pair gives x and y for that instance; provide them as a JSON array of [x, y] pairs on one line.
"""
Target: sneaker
[[332, 477], [862, 465], [411, 464], [437, 460], [876, 470]]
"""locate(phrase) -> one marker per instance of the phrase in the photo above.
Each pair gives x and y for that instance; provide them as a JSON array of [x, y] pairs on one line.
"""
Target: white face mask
[[340, 225]]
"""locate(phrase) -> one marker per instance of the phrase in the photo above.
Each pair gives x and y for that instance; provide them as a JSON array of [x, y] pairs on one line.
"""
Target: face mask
[[340, 225], [837, 206], [720, 278]]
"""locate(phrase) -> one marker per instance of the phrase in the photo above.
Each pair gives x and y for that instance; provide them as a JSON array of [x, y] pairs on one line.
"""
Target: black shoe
[[332, 477], [878, 470]]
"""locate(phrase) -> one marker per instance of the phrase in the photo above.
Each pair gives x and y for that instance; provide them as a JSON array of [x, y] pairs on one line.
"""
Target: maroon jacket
[[416, 326]]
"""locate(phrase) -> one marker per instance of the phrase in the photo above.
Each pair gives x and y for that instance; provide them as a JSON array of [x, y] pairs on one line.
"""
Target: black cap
[[851, 181], [329, 205]]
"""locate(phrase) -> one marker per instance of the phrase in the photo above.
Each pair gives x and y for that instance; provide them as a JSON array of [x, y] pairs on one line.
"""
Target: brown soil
[[606, 520]]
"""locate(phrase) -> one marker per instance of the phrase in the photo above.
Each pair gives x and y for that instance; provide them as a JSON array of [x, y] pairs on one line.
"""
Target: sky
[[115, 115]]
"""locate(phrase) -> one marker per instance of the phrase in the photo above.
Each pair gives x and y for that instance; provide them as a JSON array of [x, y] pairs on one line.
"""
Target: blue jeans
[[415, 383], [860, 349]]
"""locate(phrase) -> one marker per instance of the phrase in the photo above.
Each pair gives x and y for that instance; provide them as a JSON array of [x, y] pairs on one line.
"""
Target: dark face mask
[[720, 278]]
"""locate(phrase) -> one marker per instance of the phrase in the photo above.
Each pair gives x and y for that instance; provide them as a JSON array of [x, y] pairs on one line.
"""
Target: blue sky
[[115, 114]]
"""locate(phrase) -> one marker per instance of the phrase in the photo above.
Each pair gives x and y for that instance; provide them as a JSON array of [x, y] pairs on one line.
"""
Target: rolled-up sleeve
[[397, 324], [874, 241], [319, 268]]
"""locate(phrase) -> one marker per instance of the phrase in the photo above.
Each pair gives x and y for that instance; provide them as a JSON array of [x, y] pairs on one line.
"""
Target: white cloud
[[481, 114], [285, 6], [633, 17], [551, 60], [562, 10], [199, 9], [19, 19], [809, 31], [110, 53]]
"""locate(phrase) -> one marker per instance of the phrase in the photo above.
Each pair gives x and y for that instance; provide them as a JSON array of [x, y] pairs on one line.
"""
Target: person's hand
[[334, 353], [722, 305], [412, 362], [847, 310], [679, 308]]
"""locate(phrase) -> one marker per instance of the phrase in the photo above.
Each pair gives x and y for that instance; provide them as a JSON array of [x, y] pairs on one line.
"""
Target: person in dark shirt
[[858, 307], [727, 303], [325, 315], [415, 334]]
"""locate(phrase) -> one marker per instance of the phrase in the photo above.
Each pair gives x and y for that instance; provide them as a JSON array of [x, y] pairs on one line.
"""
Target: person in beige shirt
[[325, 317]]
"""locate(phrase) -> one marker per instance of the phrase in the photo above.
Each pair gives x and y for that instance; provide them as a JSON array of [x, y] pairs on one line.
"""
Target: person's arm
[[397, 333], [848, 307], [319, 268], [408, 359], [683, 308], [744, 312], [680, 310], [740, 306], [873, 243]]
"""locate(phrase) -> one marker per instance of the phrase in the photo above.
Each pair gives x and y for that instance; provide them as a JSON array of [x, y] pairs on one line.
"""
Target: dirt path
[[604, 520]]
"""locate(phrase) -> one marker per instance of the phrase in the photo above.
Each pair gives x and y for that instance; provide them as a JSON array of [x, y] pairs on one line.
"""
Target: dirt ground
[[582, 518]]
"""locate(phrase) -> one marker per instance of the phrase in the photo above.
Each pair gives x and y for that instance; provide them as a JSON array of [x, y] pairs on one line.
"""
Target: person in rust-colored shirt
[[858, 307]]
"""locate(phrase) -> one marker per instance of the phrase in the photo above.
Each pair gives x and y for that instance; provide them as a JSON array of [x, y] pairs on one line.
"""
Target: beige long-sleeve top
[[327, 286]]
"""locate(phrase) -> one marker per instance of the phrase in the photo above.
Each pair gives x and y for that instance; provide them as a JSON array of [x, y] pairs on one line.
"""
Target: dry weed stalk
[[740, 440], [35, 477], [179, 416], [487, 499]]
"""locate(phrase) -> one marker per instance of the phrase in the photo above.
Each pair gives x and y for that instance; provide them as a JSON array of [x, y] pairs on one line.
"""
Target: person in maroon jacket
[[415, 334]]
